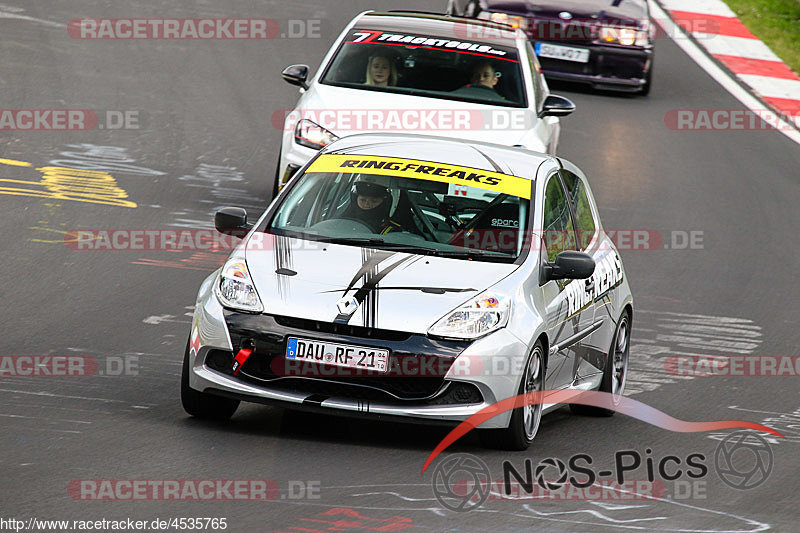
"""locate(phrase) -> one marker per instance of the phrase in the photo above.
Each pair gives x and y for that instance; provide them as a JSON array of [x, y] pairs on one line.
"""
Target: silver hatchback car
[[419, 278]]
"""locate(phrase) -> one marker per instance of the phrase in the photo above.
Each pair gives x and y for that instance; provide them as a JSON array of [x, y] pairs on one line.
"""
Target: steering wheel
[[331, 223], [357, 221]]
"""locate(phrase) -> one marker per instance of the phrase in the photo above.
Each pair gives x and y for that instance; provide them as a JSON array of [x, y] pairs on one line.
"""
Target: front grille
[[563, 32], [417, 364]]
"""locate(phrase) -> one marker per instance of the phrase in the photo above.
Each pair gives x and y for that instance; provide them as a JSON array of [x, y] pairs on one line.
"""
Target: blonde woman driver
[[381, 71]]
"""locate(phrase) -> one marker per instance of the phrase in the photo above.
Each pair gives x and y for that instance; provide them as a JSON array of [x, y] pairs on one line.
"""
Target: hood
[[439, 112], [394, 291], [615, 10]]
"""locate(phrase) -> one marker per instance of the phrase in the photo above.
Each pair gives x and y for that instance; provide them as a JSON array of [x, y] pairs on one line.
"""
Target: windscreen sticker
[[424, 170], [428, 42]]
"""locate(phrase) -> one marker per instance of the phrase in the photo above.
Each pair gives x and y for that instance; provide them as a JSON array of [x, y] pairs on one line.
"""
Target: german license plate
[[567, 53], [331, 353]]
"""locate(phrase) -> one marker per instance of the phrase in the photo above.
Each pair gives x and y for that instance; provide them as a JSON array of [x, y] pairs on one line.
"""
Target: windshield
[[408, 205], [424, 65]]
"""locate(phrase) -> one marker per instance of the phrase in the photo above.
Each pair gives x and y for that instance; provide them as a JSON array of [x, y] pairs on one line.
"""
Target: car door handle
[[589, 285]]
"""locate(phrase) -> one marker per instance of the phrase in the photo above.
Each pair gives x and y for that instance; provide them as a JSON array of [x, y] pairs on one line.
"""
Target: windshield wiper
[[469, 254], [352, 240], [422, 250]]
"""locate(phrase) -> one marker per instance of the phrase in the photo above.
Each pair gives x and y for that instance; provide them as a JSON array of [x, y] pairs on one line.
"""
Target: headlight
[[312, 135], [504, 18], [234, 287], [623, 36], [485, 313]]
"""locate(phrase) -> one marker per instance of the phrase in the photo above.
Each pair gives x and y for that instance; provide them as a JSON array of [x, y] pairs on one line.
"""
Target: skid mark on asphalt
[[13, 12], [658, 335], [644, 514], [223, 184], [96, 157], [203, 261]]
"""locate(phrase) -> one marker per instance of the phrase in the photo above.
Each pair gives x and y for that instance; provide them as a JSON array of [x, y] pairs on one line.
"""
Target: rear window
[[425, 65]]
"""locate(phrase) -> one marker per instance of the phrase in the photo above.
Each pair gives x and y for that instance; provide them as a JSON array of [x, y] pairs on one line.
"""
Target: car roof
[[443, 26], [474, 154]]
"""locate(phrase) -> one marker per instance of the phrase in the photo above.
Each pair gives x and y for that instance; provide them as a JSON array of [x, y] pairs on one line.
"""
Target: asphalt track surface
[[207, 105]]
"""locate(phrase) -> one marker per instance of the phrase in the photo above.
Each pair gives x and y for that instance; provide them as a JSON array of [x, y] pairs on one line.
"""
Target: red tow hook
[[240, 359]]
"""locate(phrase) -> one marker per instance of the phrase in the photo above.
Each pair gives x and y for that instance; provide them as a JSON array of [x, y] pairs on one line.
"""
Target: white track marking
[[706, 7], [739, 46], [770, 87]]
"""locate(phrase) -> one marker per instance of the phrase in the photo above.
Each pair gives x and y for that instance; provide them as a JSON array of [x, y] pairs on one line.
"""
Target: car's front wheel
[[201, 404], [525, 420]]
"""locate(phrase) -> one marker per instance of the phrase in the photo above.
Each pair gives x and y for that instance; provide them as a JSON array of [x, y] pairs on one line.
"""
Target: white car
[[405, 72], [419, 278]]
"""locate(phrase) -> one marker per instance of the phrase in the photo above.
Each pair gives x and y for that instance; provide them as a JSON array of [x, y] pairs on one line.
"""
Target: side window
[[585, 223], [536, 73], [559, 231]]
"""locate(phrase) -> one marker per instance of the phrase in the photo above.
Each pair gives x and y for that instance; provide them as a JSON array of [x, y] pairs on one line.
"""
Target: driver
[[370, 204]]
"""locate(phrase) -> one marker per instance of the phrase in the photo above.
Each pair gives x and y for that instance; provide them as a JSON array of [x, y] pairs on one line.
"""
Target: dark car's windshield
[[428, 66], [408, 205]]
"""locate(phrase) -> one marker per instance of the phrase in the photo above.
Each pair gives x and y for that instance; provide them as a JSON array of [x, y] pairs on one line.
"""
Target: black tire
[[516, 437], [609, 374], [201, 404], [645, 90]]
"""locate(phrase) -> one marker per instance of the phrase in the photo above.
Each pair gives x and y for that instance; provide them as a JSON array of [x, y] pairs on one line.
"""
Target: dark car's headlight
[[624, 36], [515, 21], [312, 135]]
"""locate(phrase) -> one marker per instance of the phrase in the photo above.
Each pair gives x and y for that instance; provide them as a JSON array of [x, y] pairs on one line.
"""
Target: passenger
[[484, 74], [370, 204], [381, 71]]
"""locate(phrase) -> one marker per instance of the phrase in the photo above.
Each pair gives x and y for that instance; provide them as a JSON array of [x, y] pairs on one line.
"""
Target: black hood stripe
[[371, 274], [284, 262]]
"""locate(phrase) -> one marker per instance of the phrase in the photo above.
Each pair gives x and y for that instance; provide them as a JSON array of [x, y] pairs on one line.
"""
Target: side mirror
[[569, 265], [232, 221], [556, 106], [296, 75]]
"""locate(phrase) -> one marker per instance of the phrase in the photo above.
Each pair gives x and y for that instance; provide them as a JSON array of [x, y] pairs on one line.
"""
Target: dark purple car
[[608, 44]]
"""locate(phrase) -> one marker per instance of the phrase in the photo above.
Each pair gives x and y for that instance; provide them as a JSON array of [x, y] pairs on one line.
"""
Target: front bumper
[[449, 394], [609, 67]]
